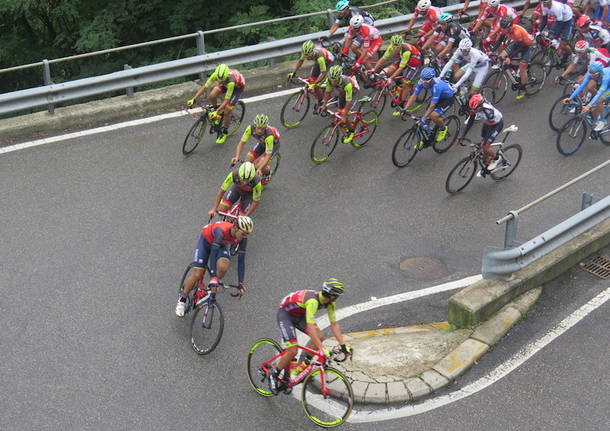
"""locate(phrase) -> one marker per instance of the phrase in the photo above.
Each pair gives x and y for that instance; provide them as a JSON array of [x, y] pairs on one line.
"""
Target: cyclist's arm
[[448, 47], [218, 237], [581, 87], [228, 95], [322, 65], [311, 308], [447, 66], [436, 94], [468, 69], [245, 138], [386, 55], [404, 60], [225, 186], [414, 95], [299, 64], [601, 91], [334, 28]]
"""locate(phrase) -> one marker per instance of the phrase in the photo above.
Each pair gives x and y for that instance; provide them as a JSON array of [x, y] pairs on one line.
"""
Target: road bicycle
[[324, 144], [384, 88], [575, 131], [197, 130], [297, 105], [408, 144], [552, 56], [561, 112], [207, 323], [327, 395], [463, 172]]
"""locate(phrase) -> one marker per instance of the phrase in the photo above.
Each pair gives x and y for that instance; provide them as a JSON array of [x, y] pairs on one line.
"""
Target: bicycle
[[197, 130], [384, 88], [327, 396], [577, 129], [205, 329], [463, 172], [559, 113], [298, 105], [326, 141], [408, 143]]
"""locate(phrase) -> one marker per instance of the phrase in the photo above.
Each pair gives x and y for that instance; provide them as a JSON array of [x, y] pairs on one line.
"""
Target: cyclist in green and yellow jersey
[[345, 87], [241, 184], [323, 59]]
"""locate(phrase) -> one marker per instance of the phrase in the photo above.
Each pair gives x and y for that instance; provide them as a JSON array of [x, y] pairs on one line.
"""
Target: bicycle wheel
[[237, 117], [378, 99], [453, 133], [324, 144], [189, 299], [405, 148], [274, 164], [536, 75], [327, 397], [461, 175], [260, 352], [194, 136], [571, 136], [365, 129], [495, 87], [560, 113], [295, 109], [510, 156], [206, 327]]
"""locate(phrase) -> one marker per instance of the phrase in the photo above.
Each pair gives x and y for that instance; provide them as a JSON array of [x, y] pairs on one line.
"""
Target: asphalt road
[[97, 231]]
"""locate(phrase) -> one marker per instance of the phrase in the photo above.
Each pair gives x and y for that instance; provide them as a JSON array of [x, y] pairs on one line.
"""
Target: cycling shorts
[[517, 48], [563, 29], [236, 94], [443, 105], [480, 73], [203, 250], [288, 325], [234, 194], [490, 131], [259, 149]]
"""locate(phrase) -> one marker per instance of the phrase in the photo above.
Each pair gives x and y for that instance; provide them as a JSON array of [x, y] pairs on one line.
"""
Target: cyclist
[[602, 76], [600, 11], [480, 109], [322, 58], [584, 55], [345, 12], [213, 249], [562, 28], [450, 33], [267, 144], [297, 311], [473, 60], [231, 83], [370, 37], [441, 100], [594, 34], [407, 60], [482, 7], [242, 184], [521, 45], [494, 14], [345, 87], [432, 15]]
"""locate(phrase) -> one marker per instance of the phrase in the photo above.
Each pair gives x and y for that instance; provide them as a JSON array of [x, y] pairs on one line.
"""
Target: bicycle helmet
[[247, 171], [427, 73], [465, 44], [335, 72], [475, 101], [493, 3], [307, 48], [332, 286], [581, 46], [261, 120], [595, 67], [446, 17], [244, 224], [341, 4], [396, 39], [583, 21], [506, 22], [423, 5], [222, 71], [356, 21]]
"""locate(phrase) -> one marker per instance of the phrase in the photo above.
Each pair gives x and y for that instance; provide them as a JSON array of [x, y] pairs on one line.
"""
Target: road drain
[[600, 266], [423, 267]]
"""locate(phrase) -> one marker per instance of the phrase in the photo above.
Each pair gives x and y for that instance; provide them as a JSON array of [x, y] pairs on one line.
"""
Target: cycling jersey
[[407, 54], [254, 187], [214, 244], [454, 33], [520, 35], [440, 89], [601, 91], [234, 82], [269, 138], [431, 15], [561, 12], [307, 303], [353, 10], [596, 35], [345, 87], [322, 56], [475, 59], [499, 12], [489, 114]]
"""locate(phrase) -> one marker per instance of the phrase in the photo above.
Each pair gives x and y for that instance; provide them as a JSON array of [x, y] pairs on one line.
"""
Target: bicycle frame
[[357, 120], [316, 362]]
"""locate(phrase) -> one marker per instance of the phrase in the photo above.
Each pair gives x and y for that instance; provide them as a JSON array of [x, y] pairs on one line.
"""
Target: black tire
[[260, 352], [189, 298], [339, 396], [461, 174], [274, 164], [453, 134], [571, 136], [510, 156], [367, 128], [378, 100], [194, 136], [495, 87], [404, 150], [325, 144], [559, 114], [295, 109], [237, 117], [536, 74], [207, 326]]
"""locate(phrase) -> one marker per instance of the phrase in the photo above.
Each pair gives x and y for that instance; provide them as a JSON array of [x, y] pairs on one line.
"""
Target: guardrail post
[[201, 50], [588, 200], [510, 235], [331, 17], [46, 76], [271, 62], [129, 89]]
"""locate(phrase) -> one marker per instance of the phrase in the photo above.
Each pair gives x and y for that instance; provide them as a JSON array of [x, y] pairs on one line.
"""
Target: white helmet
[[465, 44], [423, 5], [356, 21], [493, 3], [244, 224]]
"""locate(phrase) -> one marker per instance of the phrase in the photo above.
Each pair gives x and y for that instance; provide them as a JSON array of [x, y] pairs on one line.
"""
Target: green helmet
[[222, 71], [247, 171], [261, 120], [341, 4], [446, 17], [396, 39], [335, 72], [307, 48], [332, 286]]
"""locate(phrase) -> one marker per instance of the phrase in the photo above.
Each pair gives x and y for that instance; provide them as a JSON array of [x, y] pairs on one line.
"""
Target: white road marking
[[132, 123]]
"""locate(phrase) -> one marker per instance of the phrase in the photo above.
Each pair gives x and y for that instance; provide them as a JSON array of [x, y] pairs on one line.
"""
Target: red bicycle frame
[[317, 361]]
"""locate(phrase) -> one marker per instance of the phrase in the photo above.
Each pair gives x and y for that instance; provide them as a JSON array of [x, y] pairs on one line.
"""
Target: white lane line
[[132, 123], [501, 371]]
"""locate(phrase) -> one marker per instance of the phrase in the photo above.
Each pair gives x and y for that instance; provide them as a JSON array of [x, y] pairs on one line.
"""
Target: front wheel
[[295, 109], [571, 136], [327, 397], [461, 175], [274, 164], [194, 136], [405, 148], [495, 87], [365, 129], [560, 113], [453, 132], [206, 327], [324, 144], [509, 156], [536, 75], [259, 354]]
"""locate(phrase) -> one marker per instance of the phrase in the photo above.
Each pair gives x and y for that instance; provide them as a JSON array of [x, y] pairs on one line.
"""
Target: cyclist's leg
[[229, 198], [255, 152], [287, 324], [488, 134], [356, 45], [480, 73], [223, 259], [437, 117], [230, 106], [213, 95], [200, 259], [315, 72]]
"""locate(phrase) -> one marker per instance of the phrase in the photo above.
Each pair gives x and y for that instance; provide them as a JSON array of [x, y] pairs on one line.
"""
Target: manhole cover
[[423, 268], [599, 266]]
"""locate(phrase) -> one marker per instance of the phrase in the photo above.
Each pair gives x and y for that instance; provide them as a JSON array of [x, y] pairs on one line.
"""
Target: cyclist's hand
[[310, 87], [242, 289], [234, 160], [566, 100], [586, 108], [325, 353], [190, 102], [212, 213], [212, 115], [291, 75]]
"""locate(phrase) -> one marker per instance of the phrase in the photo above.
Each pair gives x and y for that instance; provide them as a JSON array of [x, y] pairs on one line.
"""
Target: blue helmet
[[596, 67], [427, 73]]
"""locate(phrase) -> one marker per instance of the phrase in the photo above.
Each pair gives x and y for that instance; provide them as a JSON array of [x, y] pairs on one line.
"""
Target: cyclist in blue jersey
[[442, 99], [596, 104]]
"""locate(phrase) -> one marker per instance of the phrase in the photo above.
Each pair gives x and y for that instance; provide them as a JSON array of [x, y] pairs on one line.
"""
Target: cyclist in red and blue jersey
[[596, 104], [297, 311], [212, 252]]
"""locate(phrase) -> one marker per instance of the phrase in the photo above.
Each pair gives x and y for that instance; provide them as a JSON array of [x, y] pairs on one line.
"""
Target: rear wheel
[[295, 109], [495, 87], [274, 164], [536, 75], [260, 352], [327, 397], [405, 148], [324, 144], [510, 156], [571, 136], [461, 175], [207, 326], [194, 136], [453, 132], [365, 129], [237, 117]]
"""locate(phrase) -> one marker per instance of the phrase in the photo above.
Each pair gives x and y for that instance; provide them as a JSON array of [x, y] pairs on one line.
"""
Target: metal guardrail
[[498, 262], [52, 93]]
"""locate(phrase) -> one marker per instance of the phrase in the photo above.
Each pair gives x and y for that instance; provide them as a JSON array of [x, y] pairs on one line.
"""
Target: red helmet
[[475, 101], [582, 21], [581, 46]]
